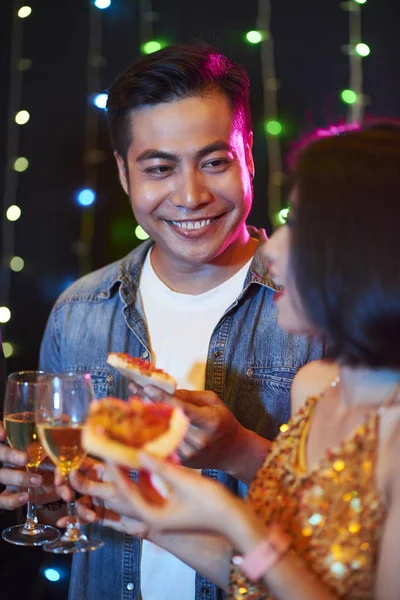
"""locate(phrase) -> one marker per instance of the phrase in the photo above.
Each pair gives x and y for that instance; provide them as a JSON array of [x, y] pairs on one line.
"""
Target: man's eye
[[217, 163], [160, 170]]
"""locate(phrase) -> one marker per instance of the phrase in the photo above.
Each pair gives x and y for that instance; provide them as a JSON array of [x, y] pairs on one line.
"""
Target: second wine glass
[[60, 415]]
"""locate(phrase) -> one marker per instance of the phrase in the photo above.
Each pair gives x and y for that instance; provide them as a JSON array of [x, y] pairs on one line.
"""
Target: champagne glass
[[19, 422], [60, 415]]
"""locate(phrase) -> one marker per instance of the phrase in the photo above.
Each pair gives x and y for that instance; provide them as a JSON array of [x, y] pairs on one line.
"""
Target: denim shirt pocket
[[267, 393]]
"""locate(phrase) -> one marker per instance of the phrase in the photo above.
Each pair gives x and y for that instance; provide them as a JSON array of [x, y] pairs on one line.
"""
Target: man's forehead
[[205, 118]]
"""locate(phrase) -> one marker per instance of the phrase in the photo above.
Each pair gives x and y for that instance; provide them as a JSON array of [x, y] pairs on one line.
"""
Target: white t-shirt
[[180, 328]]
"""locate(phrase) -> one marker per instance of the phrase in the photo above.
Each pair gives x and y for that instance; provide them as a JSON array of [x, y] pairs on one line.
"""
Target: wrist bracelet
[[265, 555]]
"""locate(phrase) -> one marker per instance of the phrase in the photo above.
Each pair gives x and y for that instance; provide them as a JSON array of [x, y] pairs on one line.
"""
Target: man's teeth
[[192, 224]]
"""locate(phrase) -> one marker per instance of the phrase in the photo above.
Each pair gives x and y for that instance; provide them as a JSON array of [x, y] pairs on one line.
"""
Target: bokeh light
[[13, 212], [349, 97], [100, 100], [21, 164], [24, 12], [86, 197], [363, 49], [8, 349], [282, 216], [141, 233], [17, 264], [5, 314], [254, 37], [22, 117], [273, 127], [52, 574], [151, 46]]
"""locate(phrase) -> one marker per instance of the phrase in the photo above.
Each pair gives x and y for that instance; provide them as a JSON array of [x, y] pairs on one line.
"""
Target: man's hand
[[215, 438], [101, 502], [14, 476]]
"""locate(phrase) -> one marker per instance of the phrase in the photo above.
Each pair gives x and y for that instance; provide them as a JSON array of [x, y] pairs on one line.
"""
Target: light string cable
[[270, 98], [356, 51], [92, 156], [13, 165]]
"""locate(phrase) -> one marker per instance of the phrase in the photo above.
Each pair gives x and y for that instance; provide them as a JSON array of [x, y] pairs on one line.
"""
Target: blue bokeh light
[[102, 4], [52, 574], [86, 197], [100, 100]]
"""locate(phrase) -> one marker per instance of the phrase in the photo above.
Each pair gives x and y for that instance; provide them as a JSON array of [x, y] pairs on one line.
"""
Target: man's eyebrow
[[214, 147], [149, 154], [161, 154]]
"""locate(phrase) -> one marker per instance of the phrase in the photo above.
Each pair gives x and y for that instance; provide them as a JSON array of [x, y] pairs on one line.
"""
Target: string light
[[86, 197], [52, 574], [282, 216], [13, 212], [362, 49], [22, 117], [151, 46], [360, 1], [102, 4], [141, 233], [100, 100], [8, 349], [16, 264], [273, 127], [254, 36], [24, 12], [348, 96], [21, 164], [5, 314]]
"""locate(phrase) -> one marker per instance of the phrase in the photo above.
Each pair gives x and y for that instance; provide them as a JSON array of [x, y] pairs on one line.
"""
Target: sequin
[[339, 465], [315, 519], [342, 548], [284, 427]]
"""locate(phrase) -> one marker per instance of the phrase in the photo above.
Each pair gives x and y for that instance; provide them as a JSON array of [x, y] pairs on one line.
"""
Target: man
[[196, 299]]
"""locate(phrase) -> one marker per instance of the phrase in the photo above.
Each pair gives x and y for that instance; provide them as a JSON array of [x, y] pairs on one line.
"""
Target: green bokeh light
[[273, 127], [349, 97], [151, 46], [254, 37]]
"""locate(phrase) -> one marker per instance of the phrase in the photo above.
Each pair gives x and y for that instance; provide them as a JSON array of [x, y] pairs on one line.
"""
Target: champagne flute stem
[[73, 530], [31, 518]]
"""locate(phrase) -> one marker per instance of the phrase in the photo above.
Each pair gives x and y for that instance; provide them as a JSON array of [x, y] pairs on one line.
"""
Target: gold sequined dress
[[333, 514]]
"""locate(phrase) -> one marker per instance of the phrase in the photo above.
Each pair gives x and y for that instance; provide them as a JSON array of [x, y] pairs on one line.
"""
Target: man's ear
[[249, 154], [122, 171]]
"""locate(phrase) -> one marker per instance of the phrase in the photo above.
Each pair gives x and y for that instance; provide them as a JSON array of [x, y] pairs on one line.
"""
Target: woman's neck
[[364, 386]]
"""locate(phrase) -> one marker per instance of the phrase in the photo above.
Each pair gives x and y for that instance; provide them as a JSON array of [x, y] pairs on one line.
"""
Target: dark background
[[312, 70]]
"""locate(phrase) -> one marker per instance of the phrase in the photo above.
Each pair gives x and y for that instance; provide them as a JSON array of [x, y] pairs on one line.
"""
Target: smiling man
[[196, 298]]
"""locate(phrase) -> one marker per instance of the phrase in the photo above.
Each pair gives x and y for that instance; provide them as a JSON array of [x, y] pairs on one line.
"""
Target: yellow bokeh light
[[17, 264], [5, 314], [21, 164], [13, 212], [8, 349], [24, 12], [22, 117], [141, 234]]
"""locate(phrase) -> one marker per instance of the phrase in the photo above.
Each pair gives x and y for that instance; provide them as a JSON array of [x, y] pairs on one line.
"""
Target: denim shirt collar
[[126, 272]]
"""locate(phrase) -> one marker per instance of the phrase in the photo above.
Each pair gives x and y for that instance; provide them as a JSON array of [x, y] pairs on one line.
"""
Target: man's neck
[[194, 279]]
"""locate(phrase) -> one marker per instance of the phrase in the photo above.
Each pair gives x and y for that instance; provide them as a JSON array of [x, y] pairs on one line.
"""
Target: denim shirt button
[[130, 586], [217, 354], [145, 354], [249, 372]]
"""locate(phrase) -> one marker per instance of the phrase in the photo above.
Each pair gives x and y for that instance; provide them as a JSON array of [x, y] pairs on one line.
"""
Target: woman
[[322, 519]]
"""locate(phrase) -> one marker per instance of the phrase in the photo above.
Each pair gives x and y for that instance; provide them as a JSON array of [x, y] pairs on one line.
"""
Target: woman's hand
[[193, 503], [14, 476]]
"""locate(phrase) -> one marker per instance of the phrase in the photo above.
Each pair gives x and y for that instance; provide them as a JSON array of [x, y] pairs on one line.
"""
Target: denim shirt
[[250, 365]]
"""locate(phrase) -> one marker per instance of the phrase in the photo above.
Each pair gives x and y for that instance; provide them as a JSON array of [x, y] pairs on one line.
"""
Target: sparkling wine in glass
[[20, 425], [60, 413]]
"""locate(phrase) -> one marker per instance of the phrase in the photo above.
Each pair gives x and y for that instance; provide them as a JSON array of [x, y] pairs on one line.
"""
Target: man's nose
[[192, 191]]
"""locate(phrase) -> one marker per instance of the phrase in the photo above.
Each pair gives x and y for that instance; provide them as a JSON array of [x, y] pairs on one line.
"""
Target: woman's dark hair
[[173, 73], [346, 242]]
